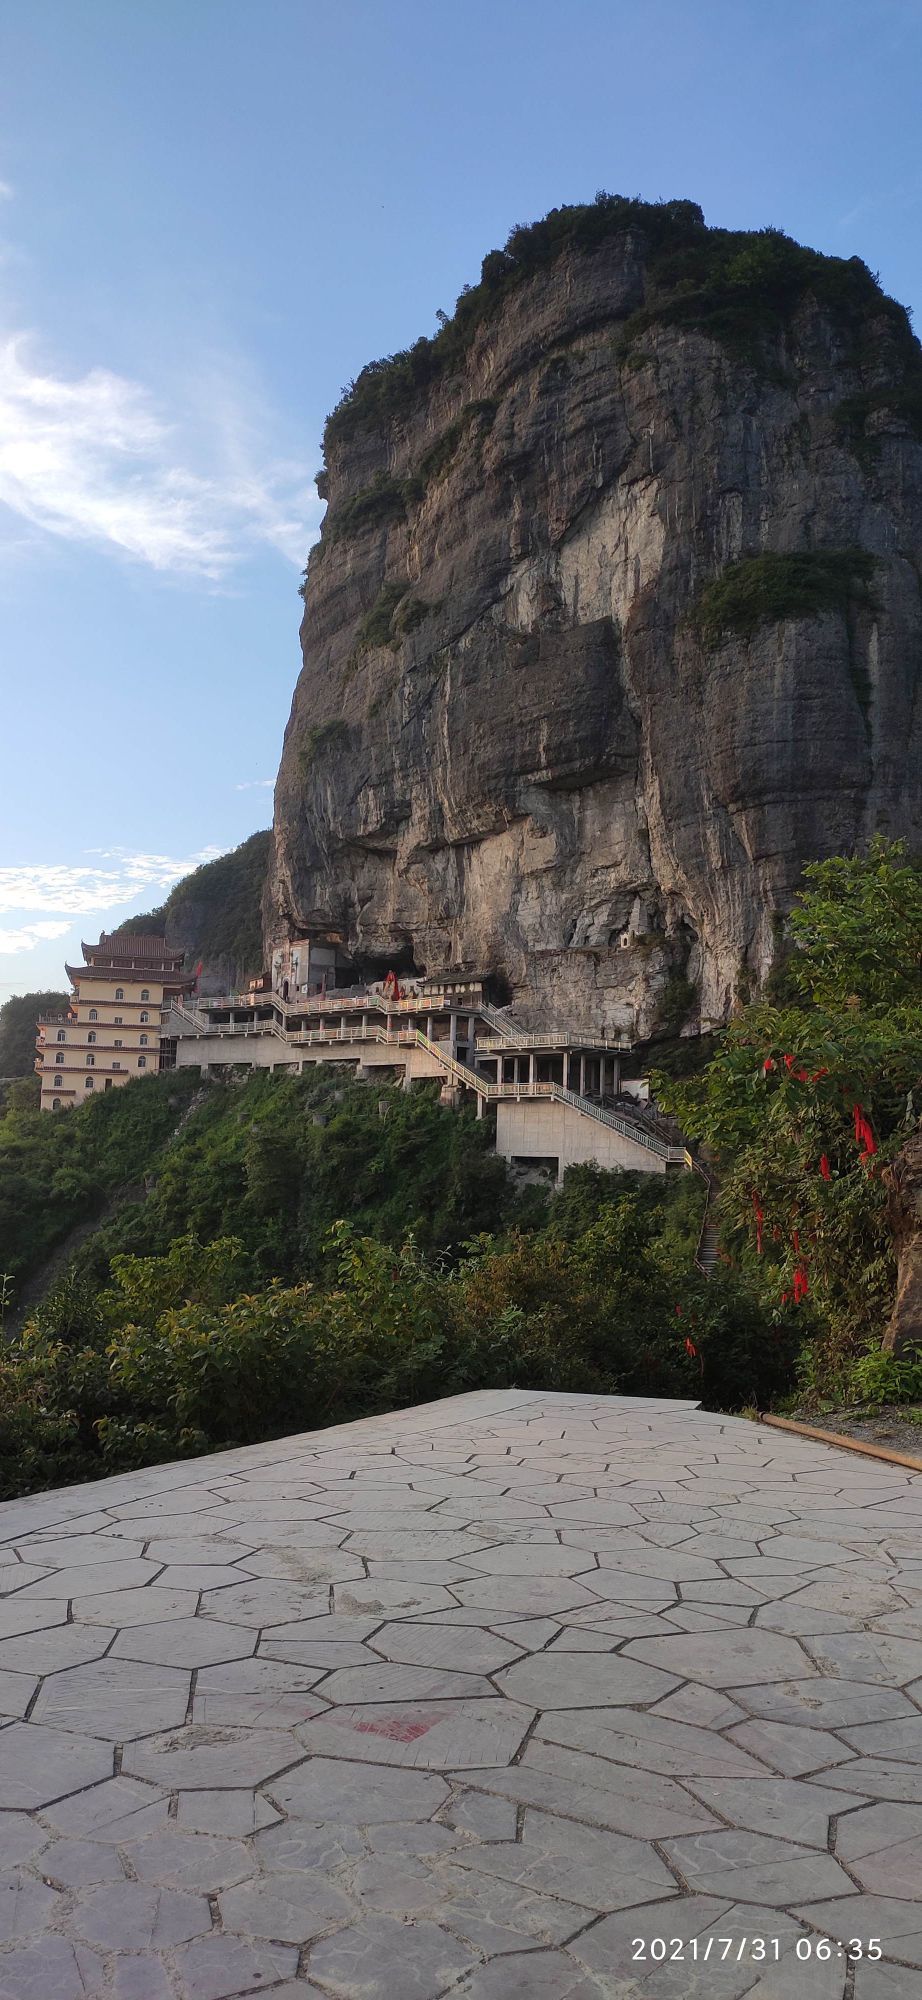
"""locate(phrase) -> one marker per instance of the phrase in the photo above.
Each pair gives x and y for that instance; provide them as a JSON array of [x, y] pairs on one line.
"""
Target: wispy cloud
[[6, 192], [29, 935], [93, 458], [85, 890], [255, 785]]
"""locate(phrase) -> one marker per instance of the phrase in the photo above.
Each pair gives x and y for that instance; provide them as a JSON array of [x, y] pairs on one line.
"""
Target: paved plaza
[[514, 1697]]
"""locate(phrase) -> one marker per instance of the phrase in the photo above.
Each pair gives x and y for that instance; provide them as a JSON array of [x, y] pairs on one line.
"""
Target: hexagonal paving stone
[[138, 1916], [20, 1838], [585, 1680], [838, 1704], [25, 1906], [121, 1608], [532, 1595], [185, 1642], [176, 1859], [114, 1698], [387, 1600], [214, 1968], [51, 1968], [396, 1682], [39, 1765], [89, 1577], [432, 1735], [16, 1691], [468, 1649], [582, 1864], [117, 1810], [261, 1602], [288, 1907], [354, 1795], [70, 1550], [77, 1864], [882, 1845], [374, 1958], [48, 1652], [738, 1863], [199, 1759], [725, 1659]]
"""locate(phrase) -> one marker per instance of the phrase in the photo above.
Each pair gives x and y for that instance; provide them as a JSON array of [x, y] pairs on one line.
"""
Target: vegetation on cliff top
[[217, 910], [740, 286]]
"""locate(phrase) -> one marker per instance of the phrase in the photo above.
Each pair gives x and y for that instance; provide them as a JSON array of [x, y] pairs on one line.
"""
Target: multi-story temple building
[[560, 1097], [111, 1030]]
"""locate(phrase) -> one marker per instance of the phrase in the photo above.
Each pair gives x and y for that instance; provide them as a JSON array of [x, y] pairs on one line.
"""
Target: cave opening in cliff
[[373, 966]]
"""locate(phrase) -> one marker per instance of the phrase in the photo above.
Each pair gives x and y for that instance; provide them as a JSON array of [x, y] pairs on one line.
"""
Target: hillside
[[615, 620], [215, 915]]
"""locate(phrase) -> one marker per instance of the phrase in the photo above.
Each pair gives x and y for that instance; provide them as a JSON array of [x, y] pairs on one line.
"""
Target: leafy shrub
[[877, 1378], [758, 590], [321, 740]]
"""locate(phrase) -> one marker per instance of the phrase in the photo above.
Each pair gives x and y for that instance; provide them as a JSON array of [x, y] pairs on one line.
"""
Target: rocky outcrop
[[570, 714]]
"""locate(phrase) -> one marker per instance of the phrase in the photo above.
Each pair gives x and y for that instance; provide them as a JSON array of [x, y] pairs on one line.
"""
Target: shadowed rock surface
[[536, 711]]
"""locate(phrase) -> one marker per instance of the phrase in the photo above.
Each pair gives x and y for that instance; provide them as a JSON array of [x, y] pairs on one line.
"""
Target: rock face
[[540, 712]]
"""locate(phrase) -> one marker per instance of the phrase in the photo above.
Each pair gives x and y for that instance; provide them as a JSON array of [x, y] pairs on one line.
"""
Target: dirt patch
[[896, 1427]]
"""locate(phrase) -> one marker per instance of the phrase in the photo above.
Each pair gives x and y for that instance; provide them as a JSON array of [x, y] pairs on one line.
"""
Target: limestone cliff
[[614, 622]]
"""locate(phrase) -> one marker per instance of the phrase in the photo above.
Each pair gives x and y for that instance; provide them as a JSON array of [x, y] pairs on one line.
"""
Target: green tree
[[805, 1105]]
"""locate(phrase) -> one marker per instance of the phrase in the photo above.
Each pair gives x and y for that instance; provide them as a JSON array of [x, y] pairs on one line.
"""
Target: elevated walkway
[[540, 1121]]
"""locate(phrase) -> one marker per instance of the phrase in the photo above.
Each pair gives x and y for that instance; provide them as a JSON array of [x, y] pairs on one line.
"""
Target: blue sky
[[213, 212]]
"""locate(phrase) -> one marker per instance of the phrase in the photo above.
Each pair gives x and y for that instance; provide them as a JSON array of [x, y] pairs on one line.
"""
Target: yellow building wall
[[124, 1044]]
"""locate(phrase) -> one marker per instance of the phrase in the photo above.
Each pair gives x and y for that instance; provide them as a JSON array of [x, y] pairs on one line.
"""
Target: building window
[[58, 1082], [93, 1016], [55, 1104], [89, 1083], [142, 1062], [117, 1043], [116, 1065], [120, 993], [91, 1037], [91, 1062], [62, 1035], [143, 1042], [144, 1017], [145, 993], [108, 1083], [116, 1020]]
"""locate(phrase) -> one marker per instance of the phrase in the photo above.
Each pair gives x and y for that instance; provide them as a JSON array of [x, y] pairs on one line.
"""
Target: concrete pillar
[[531, 1067], [429, 1026], [582, 1076], [480, 1104]]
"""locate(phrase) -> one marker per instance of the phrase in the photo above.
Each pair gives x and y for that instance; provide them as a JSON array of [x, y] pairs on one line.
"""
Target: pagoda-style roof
[[164, 975], [132, 948]]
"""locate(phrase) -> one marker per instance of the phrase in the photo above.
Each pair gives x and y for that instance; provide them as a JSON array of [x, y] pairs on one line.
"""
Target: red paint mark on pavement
[[394, 1728]]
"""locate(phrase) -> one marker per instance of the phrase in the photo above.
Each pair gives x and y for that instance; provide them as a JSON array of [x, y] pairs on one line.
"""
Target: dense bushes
[[58, 1172], [174, 1357], [758, 590]]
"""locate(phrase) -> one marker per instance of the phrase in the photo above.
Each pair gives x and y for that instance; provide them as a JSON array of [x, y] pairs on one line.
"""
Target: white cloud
[[255, 785], [94, 459], [82, 891], [30, 935], [6, 192]]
